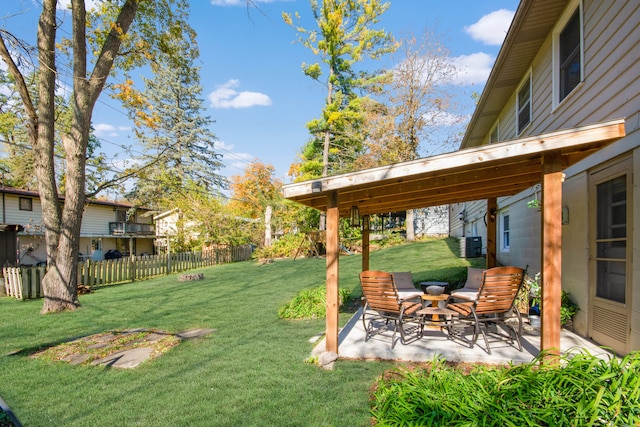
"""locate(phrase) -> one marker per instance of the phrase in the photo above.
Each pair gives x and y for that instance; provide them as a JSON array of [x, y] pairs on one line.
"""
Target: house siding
[[610, 90], [96, 219], [13, 214]]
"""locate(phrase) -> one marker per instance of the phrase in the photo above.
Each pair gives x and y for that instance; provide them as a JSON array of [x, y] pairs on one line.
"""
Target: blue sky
[[253, 86]]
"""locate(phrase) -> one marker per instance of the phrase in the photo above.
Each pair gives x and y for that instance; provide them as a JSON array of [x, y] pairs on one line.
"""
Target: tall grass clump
[[583, 390], [310, 304]]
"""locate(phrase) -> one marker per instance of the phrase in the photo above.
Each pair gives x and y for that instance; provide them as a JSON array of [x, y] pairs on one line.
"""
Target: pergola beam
[[476, 173]]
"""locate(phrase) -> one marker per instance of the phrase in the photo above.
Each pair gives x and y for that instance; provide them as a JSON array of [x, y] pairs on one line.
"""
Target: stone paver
[[126, 358], [132, 357], [194, 333]]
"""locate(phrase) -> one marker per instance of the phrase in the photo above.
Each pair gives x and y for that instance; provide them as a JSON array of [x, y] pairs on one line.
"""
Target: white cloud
[[105, 129], [444, 118], [491, 28], [225, 96], [234, 163], [66, 4], [472, 69]]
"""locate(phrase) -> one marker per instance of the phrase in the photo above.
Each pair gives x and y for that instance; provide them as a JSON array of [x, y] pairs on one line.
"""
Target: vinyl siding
[[13, 214], [610, 90], [96, 219], [575, 247]]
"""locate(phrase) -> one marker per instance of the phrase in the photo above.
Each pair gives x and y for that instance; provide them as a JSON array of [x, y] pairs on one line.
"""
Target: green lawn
[[251, 371]]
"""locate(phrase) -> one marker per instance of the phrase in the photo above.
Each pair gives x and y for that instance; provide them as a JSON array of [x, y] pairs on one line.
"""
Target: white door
[[610, 255]]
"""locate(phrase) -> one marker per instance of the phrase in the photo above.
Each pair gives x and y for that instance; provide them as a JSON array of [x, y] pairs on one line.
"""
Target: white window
[[568, 69], [504, 231], [524, 105]]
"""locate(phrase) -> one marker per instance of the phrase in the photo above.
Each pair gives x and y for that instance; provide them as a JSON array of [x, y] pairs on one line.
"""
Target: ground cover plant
[[251, 371], [582, 391]]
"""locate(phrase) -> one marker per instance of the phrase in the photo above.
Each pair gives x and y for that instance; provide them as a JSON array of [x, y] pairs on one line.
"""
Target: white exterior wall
[[31, 220], [96, 219]]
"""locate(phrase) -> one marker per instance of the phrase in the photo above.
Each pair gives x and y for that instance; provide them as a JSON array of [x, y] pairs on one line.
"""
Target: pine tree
[[179, 147]]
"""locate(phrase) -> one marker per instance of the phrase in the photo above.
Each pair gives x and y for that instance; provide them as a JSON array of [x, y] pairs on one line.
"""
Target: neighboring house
[[566, 64], [105, 226], [171, 223]]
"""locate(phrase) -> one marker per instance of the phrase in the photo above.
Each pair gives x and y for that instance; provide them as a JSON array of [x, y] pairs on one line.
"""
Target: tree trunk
[[60, 283], [411, 233], [267, 226]]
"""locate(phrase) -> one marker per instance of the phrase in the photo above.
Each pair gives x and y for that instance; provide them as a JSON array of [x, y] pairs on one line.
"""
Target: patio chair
[[404, 284], [487, 314], [382, 304]]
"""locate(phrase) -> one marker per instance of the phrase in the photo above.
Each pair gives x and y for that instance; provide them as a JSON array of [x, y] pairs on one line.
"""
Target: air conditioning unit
[[473, 247]]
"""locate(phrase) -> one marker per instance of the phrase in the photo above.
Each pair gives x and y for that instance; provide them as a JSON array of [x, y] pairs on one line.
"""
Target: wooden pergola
[[477, 173]]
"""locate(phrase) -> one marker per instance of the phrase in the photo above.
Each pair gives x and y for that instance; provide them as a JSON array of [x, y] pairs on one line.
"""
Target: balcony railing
[[131, 228]]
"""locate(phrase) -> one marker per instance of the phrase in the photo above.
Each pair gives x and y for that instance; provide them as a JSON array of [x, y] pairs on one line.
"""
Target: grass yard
[[250, 372]]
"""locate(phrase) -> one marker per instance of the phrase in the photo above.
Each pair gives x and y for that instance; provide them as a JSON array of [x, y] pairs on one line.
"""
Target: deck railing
[[24, 282]]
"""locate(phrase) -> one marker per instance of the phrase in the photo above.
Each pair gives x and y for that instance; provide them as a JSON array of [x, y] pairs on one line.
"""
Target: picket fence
[[24, 282]]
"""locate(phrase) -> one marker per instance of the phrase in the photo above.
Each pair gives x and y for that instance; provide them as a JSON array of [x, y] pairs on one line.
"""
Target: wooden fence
[[24, 282]]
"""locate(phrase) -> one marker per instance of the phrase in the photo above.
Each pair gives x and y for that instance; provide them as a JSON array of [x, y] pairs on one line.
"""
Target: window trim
[[557, 31], [505, 246], [25, 204], [526, 80]]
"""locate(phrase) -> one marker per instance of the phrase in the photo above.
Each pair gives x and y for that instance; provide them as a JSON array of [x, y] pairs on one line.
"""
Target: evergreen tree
[[178, 144]]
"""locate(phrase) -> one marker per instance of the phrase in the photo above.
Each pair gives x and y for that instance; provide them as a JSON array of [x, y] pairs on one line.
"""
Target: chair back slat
[[498, 290], [379, 290]]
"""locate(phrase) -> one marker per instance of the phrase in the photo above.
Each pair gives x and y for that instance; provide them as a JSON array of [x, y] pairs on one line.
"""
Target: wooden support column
[[365, 242], [552, 178], [492, 232], [333, 253]]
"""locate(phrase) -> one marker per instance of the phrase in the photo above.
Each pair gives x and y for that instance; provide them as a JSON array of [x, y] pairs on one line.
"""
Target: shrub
[[285, 247], [568, 308], [310, 304], [582, 390]]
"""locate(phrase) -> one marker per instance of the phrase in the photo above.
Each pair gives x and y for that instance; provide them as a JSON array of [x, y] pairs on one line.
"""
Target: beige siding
[[611, 67], [610, 90], [96, 219], [635, 257], [31, 220], [575, 247]]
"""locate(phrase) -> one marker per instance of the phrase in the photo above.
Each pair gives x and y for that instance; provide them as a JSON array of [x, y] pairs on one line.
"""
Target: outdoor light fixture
[[316, 187], [354, 217]]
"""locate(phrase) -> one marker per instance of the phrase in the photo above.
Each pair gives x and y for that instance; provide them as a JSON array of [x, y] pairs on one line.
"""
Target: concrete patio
[[434, 342]]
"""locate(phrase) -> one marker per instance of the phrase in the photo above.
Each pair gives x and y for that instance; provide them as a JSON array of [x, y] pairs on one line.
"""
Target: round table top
[[430, 297]]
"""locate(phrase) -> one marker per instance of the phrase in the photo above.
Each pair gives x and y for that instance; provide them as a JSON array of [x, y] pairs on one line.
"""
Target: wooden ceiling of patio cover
[[475, 173]]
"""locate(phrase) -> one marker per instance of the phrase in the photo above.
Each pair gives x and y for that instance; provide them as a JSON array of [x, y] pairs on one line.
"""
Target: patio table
[[435, 313], [435, 300]]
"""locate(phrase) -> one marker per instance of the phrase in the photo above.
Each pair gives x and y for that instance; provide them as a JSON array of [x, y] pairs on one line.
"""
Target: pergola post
[[333, 253], [365, 242], [552, 178], [492, 232]]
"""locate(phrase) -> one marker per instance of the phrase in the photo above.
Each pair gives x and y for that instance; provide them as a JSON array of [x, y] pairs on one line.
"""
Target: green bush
[[310, 304], [285, 247], [582, 390], [568, 308]]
